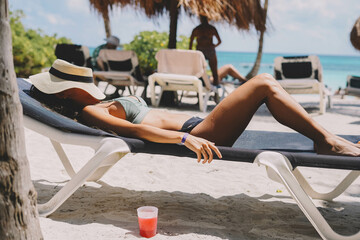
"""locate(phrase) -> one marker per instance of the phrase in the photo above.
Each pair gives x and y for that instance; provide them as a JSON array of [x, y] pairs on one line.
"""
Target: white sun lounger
[[183, 70], [352, 86], [302, 75], [120, 69], [281, 165]]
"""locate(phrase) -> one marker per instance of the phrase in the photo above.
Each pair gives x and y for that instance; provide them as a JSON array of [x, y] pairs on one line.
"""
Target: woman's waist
[[206, 48], [165, 120]]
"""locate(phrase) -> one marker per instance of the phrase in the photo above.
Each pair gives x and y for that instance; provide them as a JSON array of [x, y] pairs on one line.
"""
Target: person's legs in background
[[214, 70], [230, 70]]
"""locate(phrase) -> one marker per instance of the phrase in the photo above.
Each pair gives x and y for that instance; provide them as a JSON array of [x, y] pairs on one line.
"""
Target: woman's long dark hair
[[63, 106]]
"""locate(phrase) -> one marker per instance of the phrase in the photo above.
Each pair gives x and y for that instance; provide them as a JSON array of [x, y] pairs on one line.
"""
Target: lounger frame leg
[[280, 169], [106, 87], [322, 105], [202, 100], [151, 81], [337, 191], [157, 103], [64, 158], [104, 158], [330, 101], [108, 151]]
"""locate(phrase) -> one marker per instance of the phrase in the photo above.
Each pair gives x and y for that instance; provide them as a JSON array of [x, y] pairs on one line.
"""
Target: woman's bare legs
[[231, 116], [214, 70], [230, 70]]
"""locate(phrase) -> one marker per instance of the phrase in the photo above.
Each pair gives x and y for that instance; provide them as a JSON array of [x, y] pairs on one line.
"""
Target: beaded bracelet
[[184, 138]]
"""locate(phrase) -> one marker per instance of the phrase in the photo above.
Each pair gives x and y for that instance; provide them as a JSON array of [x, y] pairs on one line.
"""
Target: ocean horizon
[[336, 68]]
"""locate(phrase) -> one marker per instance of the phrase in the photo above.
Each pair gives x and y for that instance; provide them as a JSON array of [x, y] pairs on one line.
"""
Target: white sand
[[223, 200]]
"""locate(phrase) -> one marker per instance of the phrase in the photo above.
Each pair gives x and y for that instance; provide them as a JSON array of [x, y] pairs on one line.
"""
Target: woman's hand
[[202, 147]]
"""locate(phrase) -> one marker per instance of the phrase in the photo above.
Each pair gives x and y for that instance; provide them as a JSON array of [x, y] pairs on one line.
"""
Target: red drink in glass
[[148, 227], [147, 217]]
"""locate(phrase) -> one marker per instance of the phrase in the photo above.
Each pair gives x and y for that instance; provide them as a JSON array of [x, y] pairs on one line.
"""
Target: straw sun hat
[[62, 76]]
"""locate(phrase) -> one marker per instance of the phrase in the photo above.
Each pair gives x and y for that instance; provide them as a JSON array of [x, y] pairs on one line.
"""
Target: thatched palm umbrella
[[103, 7], [241, 13], [153, 8], [355, 35]]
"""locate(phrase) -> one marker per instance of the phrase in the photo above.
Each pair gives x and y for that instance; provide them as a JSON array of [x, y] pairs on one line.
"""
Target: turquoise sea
[[335, 68]]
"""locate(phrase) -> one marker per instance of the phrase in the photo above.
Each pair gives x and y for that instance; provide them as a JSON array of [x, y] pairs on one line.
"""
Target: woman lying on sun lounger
[[130, 116]]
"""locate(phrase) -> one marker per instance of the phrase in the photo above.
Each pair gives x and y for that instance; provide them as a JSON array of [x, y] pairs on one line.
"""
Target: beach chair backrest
[[185, 62], [118, 60], [298, 67], [75, 54], [354, 81], [353, 85]]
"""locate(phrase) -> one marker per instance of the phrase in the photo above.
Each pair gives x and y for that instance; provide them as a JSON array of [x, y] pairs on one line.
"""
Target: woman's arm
[[216, 34], [99, 117]]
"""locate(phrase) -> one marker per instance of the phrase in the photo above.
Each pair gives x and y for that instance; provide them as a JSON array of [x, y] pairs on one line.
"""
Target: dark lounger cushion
[[123, 66], [355, 82], [297, 69], [71, 53]]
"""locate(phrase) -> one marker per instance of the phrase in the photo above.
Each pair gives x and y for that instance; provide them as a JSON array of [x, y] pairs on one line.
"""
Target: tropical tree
[[147, 43], [255, 69], [174, 13], [32, 49], [104, 5], [18, 212]]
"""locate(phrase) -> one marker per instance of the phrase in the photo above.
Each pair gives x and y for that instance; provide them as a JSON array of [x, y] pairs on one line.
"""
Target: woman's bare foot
[[336, 145]]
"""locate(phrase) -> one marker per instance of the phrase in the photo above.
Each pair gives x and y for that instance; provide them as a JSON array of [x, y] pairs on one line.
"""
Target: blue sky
[[297, 26]]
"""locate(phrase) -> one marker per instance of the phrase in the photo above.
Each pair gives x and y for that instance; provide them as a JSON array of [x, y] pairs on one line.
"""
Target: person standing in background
[[204, 34]]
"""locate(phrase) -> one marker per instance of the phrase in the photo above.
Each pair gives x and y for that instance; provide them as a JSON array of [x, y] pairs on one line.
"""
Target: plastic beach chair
[[281, 163], [120, 68], [73, 53], [302, 75], [183, 70]]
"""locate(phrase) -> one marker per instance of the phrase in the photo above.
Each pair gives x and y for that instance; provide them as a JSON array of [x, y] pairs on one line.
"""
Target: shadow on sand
[[230, 217]]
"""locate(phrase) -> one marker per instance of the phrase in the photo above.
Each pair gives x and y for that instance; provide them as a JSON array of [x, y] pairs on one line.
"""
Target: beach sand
[[221, 200]]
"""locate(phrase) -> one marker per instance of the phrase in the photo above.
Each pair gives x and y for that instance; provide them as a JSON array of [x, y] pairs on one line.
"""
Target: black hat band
[[70, 77]]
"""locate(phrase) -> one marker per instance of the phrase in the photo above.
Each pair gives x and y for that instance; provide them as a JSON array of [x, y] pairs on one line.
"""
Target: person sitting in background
[[131, 117], [112, 42], [204, 34]]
